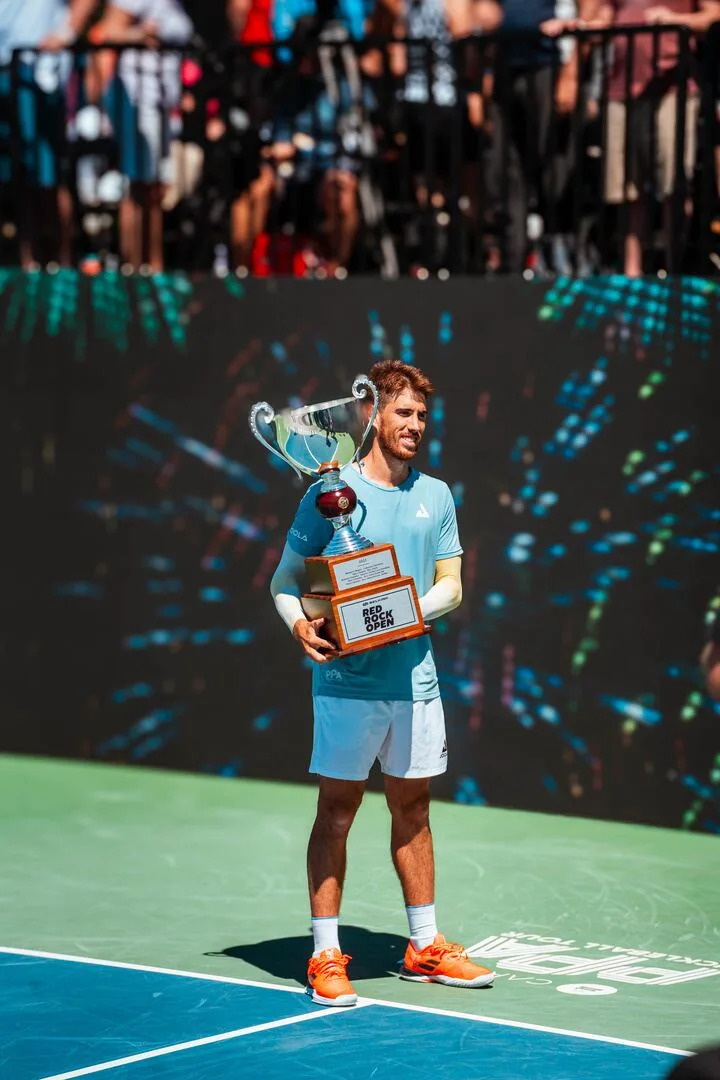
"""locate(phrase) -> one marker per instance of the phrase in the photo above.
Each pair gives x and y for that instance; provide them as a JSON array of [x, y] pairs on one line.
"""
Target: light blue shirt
[[351, 13], [27, 22], [418, 517]]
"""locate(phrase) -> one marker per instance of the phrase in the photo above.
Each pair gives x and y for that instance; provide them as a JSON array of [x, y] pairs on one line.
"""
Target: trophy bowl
[[320, 440], [310, 436]]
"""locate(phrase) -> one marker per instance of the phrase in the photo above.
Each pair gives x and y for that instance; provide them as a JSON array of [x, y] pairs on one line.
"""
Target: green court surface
[[594, 927]]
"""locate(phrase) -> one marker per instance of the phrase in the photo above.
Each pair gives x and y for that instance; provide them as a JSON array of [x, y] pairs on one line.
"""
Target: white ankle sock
[[325, 933], [421, 920]]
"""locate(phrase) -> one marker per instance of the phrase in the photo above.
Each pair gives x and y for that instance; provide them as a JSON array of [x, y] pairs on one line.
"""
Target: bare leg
[[29, 212], [633, 240], [338, 802], [412, 851], [151, 208], [46, 227], [65, 226], [248, 216], [338, 199], [411, 842], [240, 230], [130, 222]]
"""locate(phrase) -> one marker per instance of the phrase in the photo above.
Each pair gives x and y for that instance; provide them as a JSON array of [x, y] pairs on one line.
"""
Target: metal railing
[[594, 151]]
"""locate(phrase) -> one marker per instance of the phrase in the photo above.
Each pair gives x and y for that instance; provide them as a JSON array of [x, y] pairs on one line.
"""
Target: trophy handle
[[262, 408], [360, 388]]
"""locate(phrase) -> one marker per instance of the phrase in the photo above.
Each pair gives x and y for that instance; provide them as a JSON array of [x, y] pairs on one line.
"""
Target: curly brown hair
[[391, 377]]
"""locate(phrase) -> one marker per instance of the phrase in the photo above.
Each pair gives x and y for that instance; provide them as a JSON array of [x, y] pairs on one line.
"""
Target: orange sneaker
[[328, 983], [443, 962]]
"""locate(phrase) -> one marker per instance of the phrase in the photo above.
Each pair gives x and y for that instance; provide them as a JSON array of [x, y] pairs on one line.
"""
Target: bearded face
[[400, 423]]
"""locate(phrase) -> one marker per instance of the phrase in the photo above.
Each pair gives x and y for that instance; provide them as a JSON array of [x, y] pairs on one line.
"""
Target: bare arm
[[120, 27], [486, 15], [598, 12], [699, 21], [566, 87], [81, 11], [459, 15], [446, 592], [592, 14], [78, 16]]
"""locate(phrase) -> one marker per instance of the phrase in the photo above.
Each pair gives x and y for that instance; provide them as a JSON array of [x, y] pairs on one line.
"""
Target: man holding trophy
[[358, 606]]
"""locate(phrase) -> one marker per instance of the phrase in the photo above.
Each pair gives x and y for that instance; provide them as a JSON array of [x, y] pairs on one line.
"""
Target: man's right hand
[[307, 633]]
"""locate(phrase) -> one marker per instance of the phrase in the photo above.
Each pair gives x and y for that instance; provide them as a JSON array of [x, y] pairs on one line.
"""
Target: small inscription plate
[[364, 570]]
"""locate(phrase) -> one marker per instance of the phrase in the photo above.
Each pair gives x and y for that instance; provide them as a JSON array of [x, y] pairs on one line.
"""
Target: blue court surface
[[63, 1017]]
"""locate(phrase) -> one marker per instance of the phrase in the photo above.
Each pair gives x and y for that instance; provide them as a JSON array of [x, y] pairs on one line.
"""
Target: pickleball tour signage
[[587, 968]]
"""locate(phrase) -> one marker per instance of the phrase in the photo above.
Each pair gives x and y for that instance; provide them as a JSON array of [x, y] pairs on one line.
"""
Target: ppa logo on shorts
[[377, 617]]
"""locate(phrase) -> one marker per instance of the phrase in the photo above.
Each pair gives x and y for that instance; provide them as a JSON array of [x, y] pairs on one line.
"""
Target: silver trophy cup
[[318, 441]]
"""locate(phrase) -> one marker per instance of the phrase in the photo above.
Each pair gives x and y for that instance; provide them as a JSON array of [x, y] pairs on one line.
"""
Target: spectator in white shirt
[[141, 88]]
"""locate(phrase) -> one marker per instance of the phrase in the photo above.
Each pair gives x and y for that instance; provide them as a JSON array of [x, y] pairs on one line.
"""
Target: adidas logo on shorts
[[443, 752]]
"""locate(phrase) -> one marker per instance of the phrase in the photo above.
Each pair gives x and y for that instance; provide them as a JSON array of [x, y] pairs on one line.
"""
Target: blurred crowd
[[322, 137]]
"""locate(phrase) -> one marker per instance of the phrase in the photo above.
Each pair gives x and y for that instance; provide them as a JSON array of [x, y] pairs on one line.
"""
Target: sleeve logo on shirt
[[298, 535], [422, 512]]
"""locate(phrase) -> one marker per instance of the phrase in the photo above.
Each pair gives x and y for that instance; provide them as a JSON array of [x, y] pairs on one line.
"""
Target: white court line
[[361, 1000], [529, 1027], [146, 967], [207, 1041]]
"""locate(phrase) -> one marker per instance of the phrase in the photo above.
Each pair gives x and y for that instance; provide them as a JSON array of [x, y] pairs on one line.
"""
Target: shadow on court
[[375, 955]]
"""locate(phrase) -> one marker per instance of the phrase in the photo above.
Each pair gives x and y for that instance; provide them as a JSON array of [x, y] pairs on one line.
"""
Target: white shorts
[[407, 737]]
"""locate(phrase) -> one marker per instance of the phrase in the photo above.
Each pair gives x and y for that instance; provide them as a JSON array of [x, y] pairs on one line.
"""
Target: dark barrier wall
[[576, 424]]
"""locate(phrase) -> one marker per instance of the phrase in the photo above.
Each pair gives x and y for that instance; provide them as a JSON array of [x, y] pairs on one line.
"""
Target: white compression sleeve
[[289, 609], [445, 595], [286, 587]]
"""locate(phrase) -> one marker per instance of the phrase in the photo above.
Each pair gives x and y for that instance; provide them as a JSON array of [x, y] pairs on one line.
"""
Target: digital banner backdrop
[[576, 424]]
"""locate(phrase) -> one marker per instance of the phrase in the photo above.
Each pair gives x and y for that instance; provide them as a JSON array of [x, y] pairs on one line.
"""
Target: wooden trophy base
[[365, 600]]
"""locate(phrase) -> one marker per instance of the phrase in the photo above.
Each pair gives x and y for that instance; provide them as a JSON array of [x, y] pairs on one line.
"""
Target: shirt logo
[[422, 512], [299, 535], [332, 675]]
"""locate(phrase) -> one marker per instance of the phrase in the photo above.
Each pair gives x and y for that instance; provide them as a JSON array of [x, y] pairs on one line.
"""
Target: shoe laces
[[331, 965], [448, 948]]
